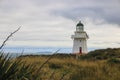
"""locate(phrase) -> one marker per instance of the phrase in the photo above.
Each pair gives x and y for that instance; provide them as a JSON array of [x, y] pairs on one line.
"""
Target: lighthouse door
[[80, 50]]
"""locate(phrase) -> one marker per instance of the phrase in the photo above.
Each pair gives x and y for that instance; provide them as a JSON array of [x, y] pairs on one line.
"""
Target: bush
[[114, 60], [102, 54]]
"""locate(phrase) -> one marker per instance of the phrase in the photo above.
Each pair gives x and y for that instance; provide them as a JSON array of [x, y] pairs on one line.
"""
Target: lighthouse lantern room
[[80, 39]]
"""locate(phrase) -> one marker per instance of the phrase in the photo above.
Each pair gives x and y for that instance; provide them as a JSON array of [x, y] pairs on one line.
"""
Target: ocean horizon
[[17, 51]]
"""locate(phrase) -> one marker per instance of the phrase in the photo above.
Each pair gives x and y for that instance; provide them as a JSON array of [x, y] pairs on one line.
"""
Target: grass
[[93, 66], [75, 69], [14, 69]]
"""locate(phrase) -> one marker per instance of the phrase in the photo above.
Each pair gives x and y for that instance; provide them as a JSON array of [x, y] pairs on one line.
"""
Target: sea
[[18, 51]]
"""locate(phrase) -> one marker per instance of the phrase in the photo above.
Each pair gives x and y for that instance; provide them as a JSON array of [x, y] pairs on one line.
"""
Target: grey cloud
[[108, 12], [77, 13]]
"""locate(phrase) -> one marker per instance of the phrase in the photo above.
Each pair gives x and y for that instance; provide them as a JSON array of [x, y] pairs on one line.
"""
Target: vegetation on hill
[[103, 54], [101, 64]]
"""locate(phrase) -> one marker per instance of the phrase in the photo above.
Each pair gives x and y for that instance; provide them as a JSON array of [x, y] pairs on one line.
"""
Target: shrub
[[114, 60]]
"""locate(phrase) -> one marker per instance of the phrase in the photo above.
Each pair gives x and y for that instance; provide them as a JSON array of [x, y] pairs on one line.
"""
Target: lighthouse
[[80, 40]]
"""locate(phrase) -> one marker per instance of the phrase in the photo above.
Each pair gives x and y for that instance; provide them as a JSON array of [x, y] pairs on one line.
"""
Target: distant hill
[[103, 54], [100, 54]]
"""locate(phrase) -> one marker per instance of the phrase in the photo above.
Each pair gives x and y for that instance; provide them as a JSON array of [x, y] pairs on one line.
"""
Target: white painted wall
[[80, 40]]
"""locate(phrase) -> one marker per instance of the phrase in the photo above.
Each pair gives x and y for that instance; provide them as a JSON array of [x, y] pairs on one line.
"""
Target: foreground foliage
[[97, 65], [14, 69], [85, 68]]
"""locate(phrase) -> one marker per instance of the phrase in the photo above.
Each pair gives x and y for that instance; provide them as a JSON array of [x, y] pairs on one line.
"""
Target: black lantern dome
[[79, 24]]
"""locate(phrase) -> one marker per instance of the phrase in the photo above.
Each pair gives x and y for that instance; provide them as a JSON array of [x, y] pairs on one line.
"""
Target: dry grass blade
[[52, 75], [62, 77], [46, 61], [3, 44]]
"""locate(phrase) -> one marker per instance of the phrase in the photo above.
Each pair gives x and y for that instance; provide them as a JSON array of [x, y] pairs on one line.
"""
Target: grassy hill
[[101, 64], [103, 54]]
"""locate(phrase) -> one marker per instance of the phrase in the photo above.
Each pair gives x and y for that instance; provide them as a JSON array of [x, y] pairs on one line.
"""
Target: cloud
[[93, 9], [52, 22], [102, 35]]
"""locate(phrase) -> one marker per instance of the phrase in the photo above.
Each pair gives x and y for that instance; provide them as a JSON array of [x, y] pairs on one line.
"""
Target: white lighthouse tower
[[80, 40]]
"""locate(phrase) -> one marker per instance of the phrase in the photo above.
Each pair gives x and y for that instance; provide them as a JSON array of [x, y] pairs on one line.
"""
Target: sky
[[50, 23]]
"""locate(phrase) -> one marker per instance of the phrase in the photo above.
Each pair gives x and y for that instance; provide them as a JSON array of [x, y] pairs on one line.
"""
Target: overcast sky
[[50, 23]]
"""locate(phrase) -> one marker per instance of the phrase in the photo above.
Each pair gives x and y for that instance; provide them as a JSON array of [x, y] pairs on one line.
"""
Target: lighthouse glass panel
[[79, 28]]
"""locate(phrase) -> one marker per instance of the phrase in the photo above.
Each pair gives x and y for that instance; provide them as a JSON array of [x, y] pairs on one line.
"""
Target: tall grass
[[14, 69], [73, 69], [27, 69], [59, 67]]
